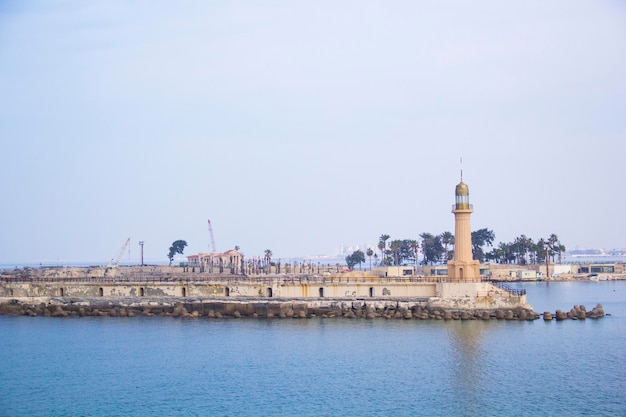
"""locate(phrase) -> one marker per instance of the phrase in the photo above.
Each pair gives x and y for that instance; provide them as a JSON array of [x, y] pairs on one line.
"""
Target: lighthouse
[[463, 268]]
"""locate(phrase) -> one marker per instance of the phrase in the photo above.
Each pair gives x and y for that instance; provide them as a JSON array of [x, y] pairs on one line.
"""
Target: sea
[[164, 366]]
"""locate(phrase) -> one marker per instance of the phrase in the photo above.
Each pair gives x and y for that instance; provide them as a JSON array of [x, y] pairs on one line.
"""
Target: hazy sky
[[301, 126]]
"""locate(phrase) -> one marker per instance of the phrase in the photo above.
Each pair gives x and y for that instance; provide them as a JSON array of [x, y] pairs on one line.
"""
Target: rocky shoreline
[[281, 309]]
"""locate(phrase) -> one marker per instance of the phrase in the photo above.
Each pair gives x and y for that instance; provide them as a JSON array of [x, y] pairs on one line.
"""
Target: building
[[230, 262]]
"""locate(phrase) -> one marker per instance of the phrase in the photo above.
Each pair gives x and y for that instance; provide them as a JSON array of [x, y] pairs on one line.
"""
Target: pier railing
[[513, 291]]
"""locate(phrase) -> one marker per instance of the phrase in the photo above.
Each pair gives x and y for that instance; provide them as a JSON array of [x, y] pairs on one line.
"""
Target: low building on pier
[[230, 262]]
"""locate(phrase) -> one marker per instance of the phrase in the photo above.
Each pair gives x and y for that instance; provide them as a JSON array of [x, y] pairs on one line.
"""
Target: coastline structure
[[463, 268], [461, 291]]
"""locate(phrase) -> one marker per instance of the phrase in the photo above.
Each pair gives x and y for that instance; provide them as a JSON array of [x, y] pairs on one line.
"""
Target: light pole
[[141, 244], [547, 246]]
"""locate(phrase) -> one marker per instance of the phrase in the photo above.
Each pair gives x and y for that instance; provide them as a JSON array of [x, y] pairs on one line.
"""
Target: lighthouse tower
[[463, 268]]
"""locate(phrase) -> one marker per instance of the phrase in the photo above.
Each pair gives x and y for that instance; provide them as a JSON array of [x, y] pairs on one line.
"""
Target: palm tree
[[555, 246], [395, 247], [426, 238], [369, 252], [382, 245], [447, 239], [268, 259], [522, 245], [414, 246]]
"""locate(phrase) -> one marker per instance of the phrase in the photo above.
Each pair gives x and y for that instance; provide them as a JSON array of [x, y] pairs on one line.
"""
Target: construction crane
[[115, 261], [212, 239]]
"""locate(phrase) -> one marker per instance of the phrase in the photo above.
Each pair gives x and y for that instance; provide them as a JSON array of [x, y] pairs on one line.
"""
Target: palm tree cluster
[[439, 248], [433, 248], [523, 250]]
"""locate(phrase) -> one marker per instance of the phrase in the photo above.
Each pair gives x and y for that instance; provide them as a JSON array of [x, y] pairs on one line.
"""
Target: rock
[[596, 312], [560, 315], [302, 315], [211, 314], [408, 314], [547, 316], [218, 315], [499, 314], [447, 315], [237, 314], [58, 312], [522, 315], [370, 316], [465, 315], [509, 315]]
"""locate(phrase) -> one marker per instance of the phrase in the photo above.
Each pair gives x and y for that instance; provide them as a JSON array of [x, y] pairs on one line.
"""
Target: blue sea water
[[103, 366]]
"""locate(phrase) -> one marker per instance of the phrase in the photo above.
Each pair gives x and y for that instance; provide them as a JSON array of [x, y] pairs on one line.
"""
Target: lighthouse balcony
[[463, 206]]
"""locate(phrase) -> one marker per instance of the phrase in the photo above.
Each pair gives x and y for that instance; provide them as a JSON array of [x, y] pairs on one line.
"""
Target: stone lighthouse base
[[475, 295]]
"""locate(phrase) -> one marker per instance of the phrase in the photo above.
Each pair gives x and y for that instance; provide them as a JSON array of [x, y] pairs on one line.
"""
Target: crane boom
[[212, 239], [115, 261]]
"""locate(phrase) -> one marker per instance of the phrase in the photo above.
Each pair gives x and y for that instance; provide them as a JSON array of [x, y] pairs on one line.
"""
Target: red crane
[[212, 239]]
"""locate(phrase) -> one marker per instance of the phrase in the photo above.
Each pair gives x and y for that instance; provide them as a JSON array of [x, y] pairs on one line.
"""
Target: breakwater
[[421, 309], [282, 309], [102, 292]]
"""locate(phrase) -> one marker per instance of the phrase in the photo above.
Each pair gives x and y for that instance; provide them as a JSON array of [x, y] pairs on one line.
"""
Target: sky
[[302, 126]]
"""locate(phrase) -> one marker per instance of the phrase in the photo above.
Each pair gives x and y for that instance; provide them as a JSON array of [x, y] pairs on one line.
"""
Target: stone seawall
[[421, 309]]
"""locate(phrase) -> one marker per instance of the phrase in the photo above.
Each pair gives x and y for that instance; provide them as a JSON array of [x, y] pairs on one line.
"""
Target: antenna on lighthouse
[[461, 161]]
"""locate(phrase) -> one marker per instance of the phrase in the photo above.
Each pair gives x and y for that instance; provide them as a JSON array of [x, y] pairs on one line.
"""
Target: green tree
[[382, 246], [414, 247], [521, 247], [447, 239], [268, 260], [369, 252], [502, 254], [432, 249], [555, 247], [357, 257], [177, 247], [540, 251], [480, 238], [396, 246]]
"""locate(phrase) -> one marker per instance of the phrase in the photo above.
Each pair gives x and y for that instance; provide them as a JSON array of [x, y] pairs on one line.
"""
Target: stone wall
[[261, 308]]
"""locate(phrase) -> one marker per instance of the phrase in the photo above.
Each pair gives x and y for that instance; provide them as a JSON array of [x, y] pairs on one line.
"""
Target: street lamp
[[547, 247], [141, 244]]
